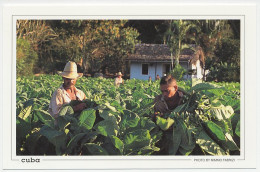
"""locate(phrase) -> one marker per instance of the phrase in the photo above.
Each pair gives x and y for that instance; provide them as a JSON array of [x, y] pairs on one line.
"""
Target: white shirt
[[60, 97], [118, 81]]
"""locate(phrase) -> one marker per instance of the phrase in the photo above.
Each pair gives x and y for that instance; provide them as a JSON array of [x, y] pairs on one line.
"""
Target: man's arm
[[79, 107], [56, 103]]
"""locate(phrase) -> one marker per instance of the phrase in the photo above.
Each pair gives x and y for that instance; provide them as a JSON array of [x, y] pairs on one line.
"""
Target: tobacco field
[[118, 121]]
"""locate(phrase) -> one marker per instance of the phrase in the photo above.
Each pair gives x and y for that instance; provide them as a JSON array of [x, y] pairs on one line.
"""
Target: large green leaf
[[131, 104], [107, 115], [176, 141], [32, 141], [216, 130], [146, 123], [225, 125], [22, 128], [50, 133], [186, 150], [221, 112], [25, 112], [117, 105], [164, 124], [117, 143], [148, 150], [230, 143], [203, 86], [180, 108], [215, 92], [137, 139], [45, 117], [182, 139], [62, 122], [130, 119], [74, 141], [95, 149], [156, 135], [57, 138], [66, 110], [187, 140], [208, 145], [107, 128], [87, 118], [237, 130]]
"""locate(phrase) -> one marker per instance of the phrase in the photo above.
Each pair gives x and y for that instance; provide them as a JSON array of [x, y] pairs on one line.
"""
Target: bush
[[178, 72], [224, 72], [26, 58], [225, 66]]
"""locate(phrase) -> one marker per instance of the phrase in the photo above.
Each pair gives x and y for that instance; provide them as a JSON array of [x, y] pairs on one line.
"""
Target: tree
[[220, 45], [177, 32], [94, 43], [25, 58], [38, 34], [106, 41]]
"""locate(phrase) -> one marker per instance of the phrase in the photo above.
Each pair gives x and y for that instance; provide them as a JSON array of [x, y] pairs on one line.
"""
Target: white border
[[112, 12]]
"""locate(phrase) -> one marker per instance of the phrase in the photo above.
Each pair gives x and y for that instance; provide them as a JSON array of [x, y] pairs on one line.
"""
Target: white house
[[155, 59]]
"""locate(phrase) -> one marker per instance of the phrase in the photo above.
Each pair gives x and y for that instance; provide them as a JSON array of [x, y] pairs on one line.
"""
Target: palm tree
[[176, 33]]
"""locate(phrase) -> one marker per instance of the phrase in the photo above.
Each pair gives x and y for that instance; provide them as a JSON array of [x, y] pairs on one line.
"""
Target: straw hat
[[119, 74], [70, 71]]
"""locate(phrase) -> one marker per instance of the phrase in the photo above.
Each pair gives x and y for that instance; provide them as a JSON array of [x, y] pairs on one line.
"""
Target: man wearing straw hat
[[67, 91], [119, 80]]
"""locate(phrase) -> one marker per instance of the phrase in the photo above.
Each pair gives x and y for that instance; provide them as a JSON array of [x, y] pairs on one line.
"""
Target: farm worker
[[157, 77], [67, 91], [170, 98], [119, 80], [150, 80]]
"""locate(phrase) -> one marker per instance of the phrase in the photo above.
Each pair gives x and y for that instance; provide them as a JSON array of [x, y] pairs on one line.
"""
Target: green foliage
[[137, 139], [218, 132], [95, 149], [177, 32], [208, 145], [117, 143], [67, 110], [107, 128], [118, 121], [237, 130], [226, 65], [87, 118], [208, 125], [178, 72], [92, 43], [164, 124], [26, 58]]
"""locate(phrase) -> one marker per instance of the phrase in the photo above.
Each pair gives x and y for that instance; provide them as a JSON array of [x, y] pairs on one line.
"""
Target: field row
[[118, 120]]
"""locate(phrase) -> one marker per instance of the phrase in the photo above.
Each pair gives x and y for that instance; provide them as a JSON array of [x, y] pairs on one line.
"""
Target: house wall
[[199, 70], [153, 69]]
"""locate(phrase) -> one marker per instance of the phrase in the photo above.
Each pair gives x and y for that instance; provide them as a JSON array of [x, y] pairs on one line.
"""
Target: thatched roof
[[159, 53]]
